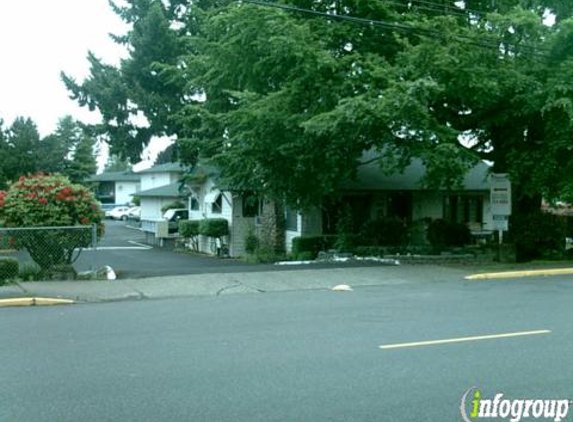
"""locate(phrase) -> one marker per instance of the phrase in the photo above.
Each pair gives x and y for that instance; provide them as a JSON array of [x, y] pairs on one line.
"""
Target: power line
[[486, 43], [410, 5], [445, 6]]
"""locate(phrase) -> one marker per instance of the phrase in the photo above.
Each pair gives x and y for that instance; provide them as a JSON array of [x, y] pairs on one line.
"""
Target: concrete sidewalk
[[233, 283]]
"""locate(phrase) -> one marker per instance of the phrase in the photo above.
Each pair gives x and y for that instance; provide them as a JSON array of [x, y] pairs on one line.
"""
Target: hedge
[[189, 228], [384, 232], [538, 235], [214, 227], [443, 234], [307, 245], [9, 268]]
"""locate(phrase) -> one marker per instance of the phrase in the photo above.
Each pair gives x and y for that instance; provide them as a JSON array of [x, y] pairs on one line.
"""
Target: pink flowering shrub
[[48, 201]]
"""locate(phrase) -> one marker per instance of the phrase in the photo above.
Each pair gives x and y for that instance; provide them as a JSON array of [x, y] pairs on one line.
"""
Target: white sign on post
[[500, 194], [501, 222], [500, 200]]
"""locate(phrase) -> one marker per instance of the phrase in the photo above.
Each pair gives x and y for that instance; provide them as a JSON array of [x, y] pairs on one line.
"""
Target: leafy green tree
[[278, 98]]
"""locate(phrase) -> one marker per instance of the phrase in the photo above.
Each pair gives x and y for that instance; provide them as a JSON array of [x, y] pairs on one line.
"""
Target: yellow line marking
[[464, 339], [43, 301], [34, 301], [21, 301], [525, 273]]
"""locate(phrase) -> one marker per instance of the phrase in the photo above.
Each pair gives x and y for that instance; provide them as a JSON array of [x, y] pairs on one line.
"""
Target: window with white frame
[[217, 205]]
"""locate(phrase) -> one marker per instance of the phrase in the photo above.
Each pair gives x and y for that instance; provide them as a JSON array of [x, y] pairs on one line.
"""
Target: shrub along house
[[372, 196]]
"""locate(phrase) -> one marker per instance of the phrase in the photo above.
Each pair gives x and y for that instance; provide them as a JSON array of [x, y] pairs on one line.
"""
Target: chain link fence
[[43, 253]]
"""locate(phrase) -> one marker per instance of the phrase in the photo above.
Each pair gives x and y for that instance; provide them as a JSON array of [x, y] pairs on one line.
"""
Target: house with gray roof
[[159, 187], [372, 194], [116, 187]]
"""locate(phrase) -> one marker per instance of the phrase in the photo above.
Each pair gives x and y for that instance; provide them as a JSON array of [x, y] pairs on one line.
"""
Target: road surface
[[297, 356]]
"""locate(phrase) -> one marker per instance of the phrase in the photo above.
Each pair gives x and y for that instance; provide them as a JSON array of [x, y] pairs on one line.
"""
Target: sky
[[41, 38]]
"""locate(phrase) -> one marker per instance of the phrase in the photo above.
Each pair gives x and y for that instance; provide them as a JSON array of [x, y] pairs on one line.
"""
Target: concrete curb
[[34, 301], [519, 274]]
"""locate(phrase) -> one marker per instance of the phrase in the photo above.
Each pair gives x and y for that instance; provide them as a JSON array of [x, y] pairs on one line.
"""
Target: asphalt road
[[298, 356]]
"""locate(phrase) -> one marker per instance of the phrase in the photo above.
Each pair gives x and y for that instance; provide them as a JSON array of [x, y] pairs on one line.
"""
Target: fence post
[[94, 237]]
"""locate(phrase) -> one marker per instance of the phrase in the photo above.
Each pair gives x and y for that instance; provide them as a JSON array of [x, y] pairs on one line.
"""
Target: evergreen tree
[[83, 164], [115, 163], [21, 149]]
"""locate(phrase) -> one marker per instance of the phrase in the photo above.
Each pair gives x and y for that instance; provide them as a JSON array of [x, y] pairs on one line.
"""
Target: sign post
[[500, 200]]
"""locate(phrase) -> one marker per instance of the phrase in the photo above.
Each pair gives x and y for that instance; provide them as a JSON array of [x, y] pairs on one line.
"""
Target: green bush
[[538, 235], [214, 227], [312, 244], [345, 230], [189, 228], [9, 268], [384, 232], [251, 243], [444, 234]]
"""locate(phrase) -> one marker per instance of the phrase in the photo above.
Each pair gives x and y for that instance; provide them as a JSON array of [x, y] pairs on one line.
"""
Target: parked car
[[106, 208], [173, 216], [134, 213], [119, 213]]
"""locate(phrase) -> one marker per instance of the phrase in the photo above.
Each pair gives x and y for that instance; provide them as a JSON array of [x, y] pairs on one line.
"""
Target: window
[[463, 208], [291, 217], [194, 204], [217, 205], [251, 206]]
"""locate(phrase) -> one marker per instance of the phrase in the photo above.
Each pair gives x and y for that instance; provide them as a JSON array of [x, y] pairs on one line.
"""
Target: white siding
[[155, 180], [124, 192], [151, 207]]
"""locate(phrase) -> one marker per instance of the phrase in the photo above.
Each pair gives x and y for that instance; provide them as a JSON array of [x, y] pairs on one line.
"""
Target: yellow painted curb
[[525, 273], [34, 301]]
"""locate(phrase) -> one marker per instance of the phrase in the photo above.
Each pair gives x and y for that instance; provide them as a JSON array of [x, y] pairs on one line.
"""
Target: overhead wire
[[486, 43]]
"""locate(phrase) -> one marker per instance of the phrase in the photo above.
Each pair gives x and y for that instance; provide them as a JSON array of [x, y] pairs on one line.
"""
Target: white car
[[134, 212], [119, 213]]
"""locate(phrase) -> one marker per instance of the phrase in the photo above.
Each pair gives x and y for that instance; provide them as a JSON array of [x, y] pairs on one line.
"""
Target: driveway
[[124, 249]]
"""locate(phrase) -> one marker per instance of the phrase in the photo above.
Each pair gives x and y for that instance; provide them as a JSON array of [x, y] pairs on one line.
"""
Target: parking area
[[123, 248]]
